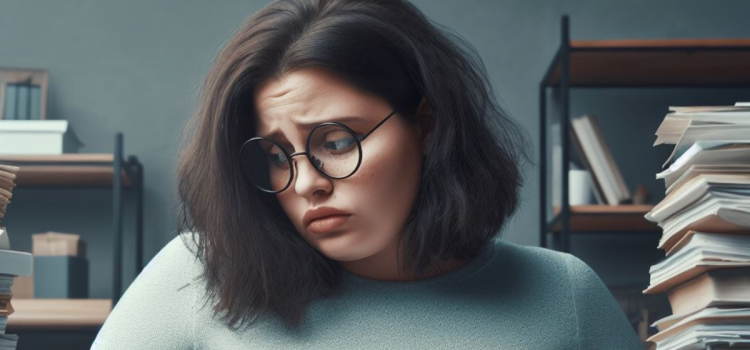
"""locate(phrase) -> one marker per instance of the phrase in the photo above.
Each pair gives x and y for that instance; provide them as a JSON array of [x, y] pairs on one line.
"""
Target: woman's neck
[[383, 267]]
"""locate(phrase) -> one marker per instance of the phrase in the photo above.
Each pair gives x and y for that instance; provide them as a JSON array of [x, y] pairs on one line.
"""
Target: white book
[[694, 190], [702, 109], [706, 153], [719, 335], [703, 252], [705, 327], [676, 123], [714, 213], [697, 169], [16, 263], [12, 262], [604, 171], [728, 133]]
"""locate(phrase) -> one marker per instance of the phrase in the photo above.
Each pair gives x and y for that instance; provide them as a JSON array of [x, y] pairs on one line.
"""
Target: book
[[714, 212], [676, 123], [707, 153], [23, 99], [698, 169], [728, 133], [704, 328], [702, 252], [9, 110], [695, 189], [607, 178], [717, 288]]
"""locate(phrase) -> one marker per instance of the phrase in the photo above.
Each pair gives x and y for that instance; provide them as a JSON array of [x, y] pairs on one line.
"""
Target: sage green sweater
[[509, 297]]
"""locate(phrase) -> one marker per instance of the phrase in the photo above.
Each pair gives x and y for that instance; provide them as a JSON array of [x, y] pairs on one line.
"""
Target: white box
[[37, 137]]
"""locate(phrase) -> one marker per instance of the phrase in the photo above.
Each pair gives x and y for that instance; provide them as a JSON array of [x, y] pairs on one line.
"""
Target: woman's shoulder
[[157, 310], [536, 258], [173, 267], [544, 269], [180, 251], [565, 285]]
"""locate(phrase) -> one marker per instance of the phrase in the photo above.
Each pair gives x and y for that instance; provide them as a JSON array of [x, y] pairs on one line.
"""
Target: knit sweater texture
[[509, 297]]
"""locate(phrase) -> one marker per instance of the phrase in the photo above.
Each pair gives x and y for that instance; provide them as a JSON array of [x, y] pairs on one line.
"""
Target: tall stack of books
[[12, 263], [705, 218]]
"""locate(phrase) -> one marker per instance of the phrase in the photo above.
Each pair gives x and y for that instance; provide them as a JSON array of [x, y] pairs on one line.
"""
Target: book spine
[[10, 101], [22, 104], [36, 102]]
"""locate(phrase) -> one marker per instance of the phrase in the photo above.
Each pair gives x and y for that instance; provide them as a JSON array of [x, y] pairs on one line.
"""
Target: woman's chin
[[342, 248]]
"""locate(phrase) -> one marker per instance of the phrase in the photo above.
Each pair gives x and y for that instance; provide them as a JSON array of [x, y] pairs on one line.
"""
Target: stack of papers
[[705, 219], [12, 263]]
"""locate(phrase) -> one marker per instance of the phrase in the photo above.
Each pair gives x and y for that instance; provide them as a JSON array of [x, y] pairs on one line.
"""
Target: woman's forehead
[[306, 98]]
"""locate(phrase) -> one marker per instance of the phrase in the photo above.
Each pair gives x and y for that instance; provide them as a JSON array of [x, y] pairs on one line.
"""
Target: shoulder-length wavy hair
[[255, 262]]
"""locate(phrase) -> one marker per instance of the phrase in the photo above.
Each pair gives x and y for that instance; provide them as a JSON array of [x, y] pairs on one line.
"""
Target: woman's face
[[378, 197]]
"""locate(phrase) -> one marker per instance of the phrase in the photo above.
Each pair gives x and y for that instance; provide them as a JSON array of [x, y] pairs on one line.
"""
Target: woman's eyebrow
[[308, 125]]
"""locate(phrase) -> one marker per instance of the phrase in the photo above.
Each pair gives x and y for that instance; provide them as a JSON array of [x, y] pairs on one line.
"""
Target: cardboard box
[[57, 244]]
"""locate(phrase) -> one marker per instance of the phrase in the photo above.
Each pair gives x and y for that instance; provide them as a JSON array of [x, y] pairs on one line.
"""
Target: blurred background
[[134, 67]]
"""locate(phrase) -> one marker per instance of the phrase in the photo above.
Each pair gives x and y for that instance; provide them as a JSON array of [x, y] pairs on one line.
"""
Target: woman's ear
[[425, 122]]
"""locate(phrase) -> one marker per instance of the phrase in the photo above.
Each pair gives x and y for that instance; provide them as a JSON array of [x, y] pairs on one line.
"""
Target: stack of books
[[12, 263], [705, 218]]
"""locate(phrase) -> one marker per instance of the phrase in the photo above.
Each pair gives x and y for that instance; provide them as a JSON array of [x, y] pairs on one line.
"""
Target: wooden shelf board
[[58, 314], [62, 158], [600, 218], [660, 43], [88, 175], [64, 170], [657, 63]]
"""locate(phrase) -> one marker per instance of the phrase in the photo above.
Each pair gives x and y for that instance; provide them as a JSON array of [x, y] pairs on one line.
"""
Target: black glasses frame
[[314, 161]]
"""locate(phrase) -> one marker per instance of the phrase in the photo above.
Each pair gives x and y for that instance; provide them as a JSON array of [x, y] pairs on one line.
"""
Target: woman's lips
[[328, 223]]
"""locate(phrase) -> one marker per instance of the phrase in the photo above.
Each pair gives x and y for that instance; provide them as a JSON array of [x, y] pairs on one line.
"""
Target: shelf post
[[117, 219], [564, 130], [543, 164], [139, 213]]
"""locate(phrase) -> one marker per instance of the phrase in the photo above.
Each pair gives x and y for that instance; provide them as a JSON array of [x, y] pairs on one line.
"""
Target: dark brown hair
[[255, 262]]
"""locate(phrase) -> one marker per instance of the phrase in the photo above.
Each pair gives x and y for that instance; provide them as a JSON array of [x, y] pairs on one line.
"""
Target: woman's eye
[[340, 144], [277, 158]]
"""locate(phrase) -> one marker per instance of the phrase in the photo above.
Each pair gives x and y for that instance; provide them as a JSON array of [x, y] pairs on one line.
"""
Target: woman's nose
[[308, 180]]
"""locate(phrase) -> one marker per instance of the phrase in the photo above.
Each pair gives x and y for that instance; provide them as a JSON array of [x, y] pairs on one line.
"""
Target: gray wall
[[133, 66]]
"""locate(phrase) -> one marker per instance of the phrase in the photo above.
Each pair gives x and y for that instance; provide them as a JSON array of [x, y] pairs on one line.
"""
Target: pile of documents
[[12, 263], [705, 218]]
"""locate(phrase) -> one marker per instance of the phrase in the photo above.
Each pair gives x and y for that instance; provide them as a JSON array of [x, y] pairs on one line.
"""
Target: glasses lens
[[266, 165], [334, 150]]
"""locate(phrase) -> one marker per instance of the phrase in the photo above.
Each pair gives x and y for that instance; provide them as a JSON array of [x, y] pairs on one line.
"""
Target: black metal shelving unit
[[93, 170], [671, 63]]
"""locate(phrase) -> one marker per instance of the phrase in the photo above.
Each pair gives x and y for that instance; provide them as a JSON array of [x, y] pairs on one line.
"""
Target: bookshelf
[[600, 218], [670, 63], [58, 314], [106, 171]]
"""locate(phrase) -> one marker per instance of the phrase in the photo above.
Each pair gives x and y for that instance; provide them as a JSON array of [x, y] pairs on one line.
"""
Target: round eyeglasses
[[333, 149]]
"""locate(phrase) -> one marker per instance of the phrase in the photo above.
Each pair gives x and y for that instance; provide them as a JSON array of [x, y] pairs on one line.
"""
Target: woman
[[343, 184]]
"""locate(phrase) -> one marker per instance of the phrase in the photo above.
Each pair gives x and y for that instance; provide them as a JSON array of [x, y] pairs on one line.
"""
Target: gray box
[[65, 277]]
